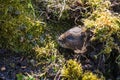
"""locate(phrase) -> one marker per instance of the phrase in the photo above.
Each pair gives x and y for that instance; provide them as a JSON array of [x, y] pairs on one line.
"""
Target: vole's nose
[[60, 39]]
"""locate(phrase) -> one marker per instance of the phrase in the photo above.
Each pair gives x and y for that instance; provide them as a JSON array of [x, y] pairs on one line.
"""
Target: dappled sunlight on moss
[[72, 70], [29, 26], [104, 25], [46, 51], [90, 76], [20, 31]]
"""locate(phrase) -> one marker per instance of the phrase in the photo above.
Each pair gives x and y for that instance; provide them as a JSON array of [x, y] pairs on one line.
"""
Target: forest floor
[[12, 64]]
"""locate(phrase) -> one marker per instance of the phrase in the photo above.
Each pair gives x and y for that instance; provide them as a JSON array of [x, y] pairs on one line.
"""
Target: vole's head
[[75, 39]]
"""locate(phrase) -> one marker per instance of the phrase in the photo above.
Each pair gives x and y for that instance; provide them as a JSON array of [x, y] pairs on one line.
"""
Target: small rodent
[[76, 38]]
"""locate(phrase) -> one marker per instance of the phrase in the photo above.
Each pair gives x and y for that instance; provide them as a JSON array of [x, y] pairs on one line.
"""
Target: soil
[[12, 64], [115, 6]]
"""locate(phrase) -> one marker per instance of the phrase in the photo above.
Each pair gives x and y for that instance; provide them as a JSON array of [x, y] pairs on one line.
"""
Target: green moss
[[23, 77], [91, 76], [22, 31], [46, 51], [72, 71], [19, 30], [104, 25]]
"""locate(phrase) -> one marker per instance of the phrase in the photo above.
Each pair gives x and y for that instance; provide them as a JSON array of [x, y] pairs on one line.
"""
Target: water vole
[[76, 38]]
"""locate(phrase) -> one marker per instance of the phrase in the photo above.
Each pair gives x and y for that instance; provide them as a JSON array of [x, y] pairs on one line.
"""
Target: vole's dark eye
[[81, 37], [70, 38]]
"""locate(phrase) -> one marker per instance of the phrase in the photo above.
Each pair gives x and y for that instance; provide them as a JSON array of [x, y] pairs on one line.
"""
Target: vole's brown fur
[[76, 38]]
